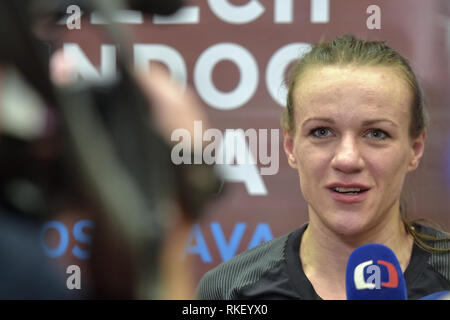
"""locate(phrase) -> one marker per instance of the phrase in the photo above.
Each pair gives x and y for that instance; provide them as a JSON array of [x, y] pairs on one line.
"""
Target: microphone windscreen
[[374, 273], [442, 295]]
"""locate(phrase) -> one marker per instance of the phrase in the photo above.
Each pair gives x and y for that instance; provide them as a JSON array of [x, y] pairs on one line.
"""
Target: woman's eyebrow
[[329, 120], [365, 123], [374, 121]]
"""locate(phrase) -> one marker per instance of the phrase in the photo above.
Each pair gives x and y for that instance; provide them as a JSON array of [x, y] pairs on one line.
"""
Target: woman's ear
[[288, 145], [417, 148]]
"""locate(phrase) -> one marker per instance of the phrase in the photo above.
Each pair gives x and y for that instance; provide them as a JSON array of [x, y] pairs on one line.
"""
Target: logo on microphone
[[374, 279]]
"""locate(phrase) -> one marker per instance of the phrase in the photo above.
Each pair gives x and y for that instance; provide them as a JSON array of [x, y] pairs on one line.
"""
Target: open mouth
[[349, 193], [352, 190]]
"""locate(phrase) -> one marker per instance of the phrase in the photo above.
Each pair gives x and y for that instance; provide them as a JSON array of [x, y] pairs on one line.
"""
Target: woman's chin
[[348, 226]]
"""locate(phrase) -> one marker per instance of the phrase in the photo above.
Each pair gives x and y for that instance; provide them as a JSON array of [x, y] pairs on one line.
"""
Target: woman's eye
[[320, 132], [377, 134]]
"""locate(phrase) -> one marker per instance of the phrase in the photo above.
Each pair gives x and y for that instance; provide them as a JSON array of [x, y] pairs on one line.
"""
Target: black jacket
[[273, 270]]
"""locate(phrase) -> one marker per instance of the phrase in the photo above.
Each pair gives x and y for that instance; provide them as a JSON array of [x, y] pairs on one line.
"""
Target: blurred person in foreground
[[54, 172], [354, 127]]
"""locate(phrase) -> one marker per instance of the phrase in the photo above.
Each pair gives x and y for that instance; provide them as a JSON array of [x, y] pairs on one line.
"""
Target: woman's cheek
[[388, 170], [390, 163], [312, 168]]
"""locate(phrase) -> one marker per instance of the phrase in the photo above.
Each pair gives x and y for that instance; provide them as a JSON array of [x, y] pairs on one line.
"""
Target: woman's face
[[351, 144]]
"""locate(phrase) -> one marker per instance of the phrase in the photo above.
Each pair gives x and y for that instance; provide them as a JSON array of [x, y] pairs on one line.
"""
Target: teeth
[[342, 189]]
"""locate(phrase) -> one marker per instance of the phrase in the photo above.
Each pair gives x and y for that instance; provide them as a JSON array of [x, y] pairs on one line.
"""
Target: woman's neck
[[324, 253]]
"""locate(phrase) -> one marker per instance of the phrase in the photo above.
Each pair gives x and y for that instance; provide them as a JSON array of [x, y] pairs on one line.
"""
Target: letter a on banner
[[233, 147]]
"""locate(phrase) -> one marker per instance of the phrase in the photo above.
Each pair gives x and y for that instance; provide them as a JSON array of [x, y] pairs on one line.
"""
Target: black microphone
[[160, 7]]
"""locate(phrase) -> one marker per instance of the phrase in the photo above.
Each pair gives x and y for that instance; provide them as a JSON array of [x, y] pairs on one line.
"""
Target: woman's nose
[[347, 157]]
